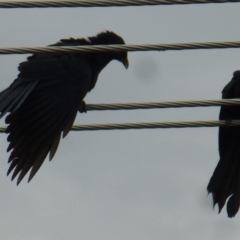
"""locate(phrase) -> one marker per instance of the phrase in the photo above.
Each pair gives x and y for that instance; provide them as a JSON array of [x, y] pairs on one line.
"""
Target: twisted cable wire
[[152, 105], [103, 3], [150, 125], [117, 48]]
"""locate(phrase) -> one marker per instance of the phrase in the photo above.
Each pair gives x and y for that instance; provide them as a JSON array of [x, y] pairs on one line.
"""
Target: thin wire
[[152, 105], [117, 48], [103, 3], [150, 125]]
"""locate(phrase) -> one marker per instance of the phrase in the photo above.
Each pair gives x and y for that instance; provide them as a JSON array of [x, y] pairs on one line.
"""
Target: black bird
[[225, 181], [44, 99]]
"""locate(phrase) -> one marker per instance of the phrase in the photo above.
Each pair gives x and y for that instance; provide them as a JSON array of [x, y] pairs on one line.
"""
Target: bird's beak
[[125, 63]]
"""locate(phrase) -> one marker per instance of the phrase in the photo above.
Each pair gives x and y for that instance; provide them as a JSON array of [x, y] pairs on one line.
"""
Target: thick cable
[[150, 125], [152, 105], [103, 3], [117, 48]]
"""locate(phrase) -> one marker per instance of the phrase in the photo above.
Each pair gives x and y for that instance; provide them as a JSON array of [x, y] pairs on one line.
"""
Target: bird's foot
[[82, 108]]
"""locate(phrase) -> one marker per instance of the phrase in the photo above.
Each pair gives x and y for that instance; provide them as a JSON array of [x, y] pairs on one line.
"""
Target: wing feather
[[49, 109], [54, 146]]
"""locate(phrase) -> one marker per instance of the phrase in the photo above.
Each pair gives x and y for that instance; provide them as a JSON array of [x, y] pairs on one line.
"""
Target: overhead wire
[[122, 47], [172, 104], [152, 105], [150, 125], [103, 3]]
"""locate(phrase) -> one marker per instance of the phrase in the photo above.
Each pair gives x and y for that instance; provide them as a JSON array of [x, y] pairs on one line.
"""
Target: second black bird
[[225, 181]]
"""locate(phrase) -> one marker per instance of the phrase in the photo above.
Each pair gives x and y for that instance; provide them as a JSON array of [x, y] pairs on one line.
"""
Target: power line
[[104, 3], [150, 125], [127, 47], [152, 105]]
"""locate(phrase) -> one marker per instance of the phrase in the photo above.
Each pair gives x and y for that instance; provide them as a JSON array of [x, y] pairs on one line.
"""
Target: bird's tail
[[225, 181], [12, 97]]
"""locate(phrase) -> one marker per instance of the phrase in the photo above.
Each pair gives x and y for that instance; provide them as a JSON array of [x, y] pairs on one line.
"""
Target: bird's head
[[111, 38]]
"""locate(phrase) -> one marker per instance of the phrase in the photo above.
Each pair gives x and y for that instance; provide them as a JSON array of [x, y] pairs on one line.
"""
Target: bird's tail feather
[[225, 181]]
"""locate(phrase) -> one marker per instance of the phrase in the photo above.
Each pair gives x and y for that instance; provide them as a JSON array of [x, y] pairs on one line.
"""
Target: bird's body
[[225, 181], [45, 98]]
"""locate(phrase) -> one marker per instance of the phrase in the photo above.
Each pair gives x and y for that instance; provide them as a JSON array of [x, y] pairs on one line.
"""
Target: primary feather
[[45, 98]]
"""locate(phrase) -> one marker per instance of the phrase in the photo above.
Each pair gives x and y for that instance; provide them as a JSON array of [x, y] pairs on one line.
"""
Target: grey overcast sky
[[132, 184]]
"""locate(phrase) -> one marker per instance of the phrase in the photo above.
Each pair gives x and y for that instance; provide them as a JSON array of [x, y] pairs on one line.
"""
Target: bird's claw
[[82, 108]]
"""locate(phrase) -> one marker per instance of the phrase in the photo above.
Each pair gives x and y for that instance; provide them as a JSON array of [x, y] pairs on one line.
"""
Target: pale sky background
[[131, 184]]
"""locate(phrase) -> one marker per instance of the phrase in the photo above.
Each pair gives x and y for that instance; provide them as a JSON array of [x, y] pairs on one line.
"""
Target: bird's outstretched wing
[[49, 90]]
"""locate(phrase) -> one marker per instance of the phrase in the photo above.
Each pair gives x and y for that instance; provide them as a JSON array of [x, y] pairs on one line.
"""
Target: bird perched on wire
[[44, 99], [225, 181]]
